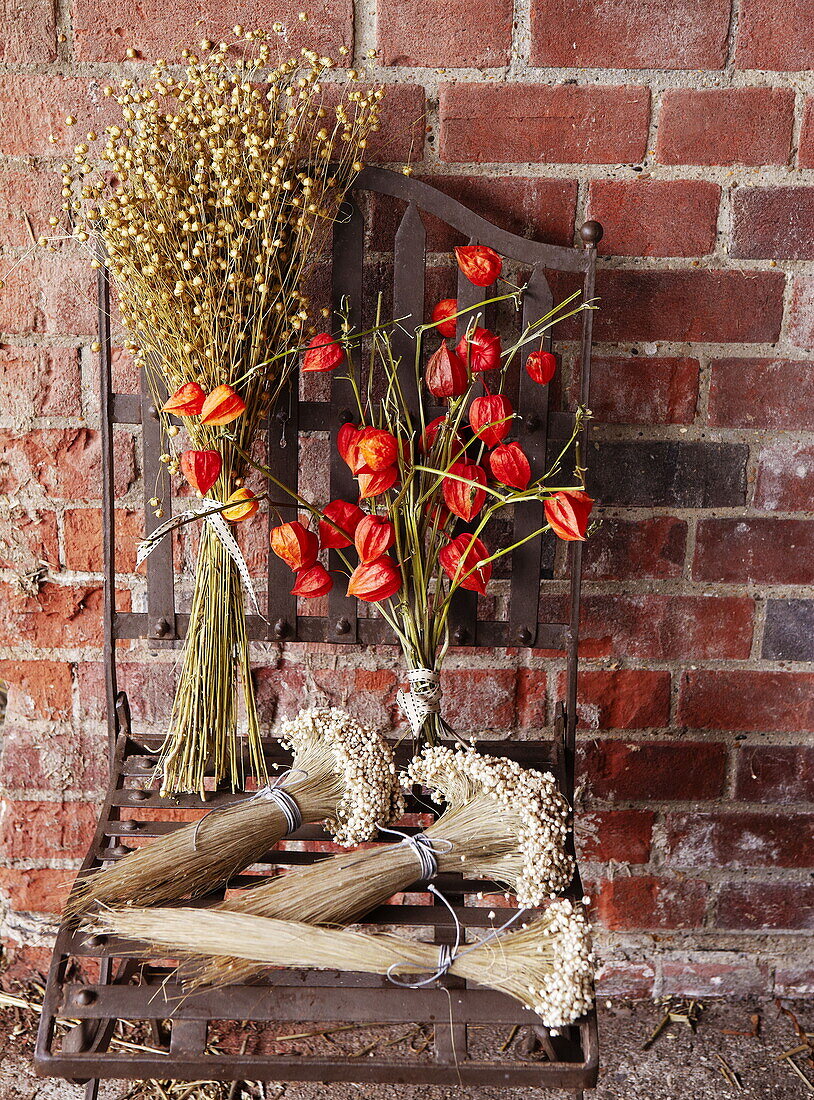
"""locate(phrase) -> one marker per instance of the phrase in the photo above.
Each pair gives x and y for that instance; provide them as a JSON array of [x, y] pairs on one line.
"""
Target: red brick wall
[[686, 129]]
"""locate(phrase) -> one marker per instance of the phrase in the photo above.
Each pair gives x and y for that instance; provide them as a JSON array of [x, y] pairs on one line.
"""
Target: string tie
[[272, 792], [425, 848]]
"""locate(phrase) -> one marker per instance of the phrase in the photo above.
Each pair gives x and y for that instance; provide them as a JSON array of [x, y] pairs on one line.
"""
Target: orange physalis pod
[[374, 482], [201, 469], [295, 544], [567, 513], [323, 353], [464, 501], [481, 264], [481, 351], [491, 418], [374, 537], [186, 401], [444, 317], [541, 366], [245, 506], [510, 466], [344, 515], [223, 405], [461, 555], [375, 580], [446, 374], [377, 448], [312, 582]]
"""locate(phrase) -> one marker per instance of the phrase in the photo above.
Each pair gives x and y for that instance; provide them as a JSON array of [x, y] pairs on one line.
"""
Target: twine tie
[[423, 698], [272, 792], [425, 848]]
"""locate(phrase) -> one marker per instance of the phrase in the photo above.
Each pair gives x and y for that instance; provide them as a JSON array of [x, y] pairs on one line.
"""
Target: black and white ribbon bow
[[423, 698]]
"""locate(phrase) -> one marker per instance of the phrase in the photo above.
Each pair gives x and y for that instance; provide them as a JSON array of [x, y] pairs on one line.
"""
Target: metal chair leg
[[92, 1089]]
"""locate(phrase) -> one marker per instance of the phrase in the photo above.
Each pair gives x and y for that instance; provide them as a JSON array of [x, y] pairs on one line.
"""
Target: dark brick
[[643, 390], [760, 549], [465, 34], [789, 634], [766, 905], [649, 902], [693, 978], [773, 223], [775, 773], [762, 393], [726, 126], [785, 476], [653, 770], [670, 474], [739, 839], [655, 217], [747, 700], [621, 835], [621, 548], [626, 698]]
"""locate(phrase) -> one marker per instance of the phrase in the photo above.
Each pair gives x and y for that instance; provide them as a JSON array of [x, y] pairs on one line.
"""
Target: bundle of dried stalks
[[502, 822], [546, 964], [342, 774]]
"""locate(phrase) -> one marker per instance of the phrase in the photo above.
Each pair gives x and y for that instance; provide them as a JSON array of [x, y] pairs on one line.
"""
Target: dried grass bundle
[[547, 964], [342, 774], [213, 198], [502, 822]]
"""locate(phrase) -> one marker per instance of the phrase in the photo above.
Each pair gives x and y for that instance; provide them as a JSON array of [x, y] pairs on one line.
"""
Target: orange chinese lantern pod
[[223, 405], [344, 515], [567, 513], [481, 352], [245, 506], [437, 514], [323, 353], [375, 580], [186, 401], [462, 554], [374, 537], [296, 545], [491, 418], [443, 316], [464, 501], [377, 448], [346, 443], [481, 264], [374, 482], [510, 466], [446, 374], [541, 366], [313, 581], [201, 469]]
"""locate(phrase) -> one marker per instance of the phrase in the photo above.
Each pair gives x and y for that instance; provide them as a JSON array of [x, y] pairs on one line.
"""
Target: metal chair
[[126, 989]]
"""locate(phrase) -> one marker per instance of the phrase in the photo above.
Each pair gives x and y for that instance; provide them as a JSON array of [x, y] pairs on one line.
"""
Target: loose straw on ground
[[502, 822], [547, 965], [342, 773]]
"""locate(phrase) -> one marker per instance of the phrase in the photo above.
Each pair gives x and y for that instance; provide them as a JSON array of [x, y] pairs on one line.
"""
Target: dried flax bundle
[[502, 822], [547, 964], [213, 198], [342, 774]]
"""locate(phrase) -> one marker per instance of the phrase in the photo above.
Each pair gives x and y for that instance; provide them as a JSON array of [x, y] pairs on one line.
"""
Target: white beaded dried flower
[[565, 990], [365, 770]]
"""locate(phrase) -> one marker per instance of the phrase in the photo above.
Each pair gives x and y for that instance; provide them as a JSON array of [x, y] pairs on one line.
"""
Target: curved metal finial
[[592, 233]]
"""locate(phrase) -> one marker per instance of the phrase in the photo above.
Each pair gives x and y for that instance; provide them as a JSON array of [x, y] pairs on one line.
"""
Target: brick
[[648, 902], [401, 131], [150, 688], [775, 773], [763, 550], [655, 217], [66, 463], [564, 124], [37, 689], [771, 35], [465, 34], [722, 976], [28, 540], [766, 905], [621, 835], [801, 312], [34, 106], [83, 539], [625, 979], [49, 293], [39, 382], [634, 34], [622, 698], [668, 474], [641, 390], [531, 698], [154, 30], [666, 627], [654, 770], [747, 700], [805, 150], [726, 126], [59, 615], [35, 192], [789, 631], [478, 699], [368, 695], [29, 32], [739, 839], [620, 549], [540, 209], [794, 981], [785, 476], [773, 223], [762, 393], [40, 756], [35, 891], [46, 830]]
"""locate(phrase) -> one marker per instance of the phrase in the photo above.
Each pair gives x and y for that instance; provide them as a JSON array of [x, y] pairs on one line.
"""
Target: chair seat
[[123, 985]]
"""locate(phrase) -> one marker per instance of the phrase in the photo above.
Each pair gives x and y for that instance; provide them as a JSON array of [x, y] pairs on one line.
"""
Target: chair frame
[[310, 995]]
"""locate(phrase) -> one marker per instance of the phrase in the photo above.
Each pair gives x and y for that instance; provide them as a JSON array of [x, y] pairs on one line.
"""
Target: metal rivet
[[524, 635], [345, 416], [85, 997], [342, 626], [281, 628], [592, 232], [460, 635], [152, 412], [96, 941], [130, 826], [139, 796], [118, 850], [160, 628]]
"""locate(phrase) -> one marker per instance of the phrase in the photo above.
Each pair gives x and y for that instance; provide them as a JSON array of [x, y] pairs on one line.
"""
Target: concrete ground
[[723, 1058]]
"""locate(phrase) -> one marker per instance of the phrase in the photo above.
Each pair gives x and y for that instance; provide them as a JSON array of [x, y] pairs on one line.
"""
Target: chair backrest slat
[[408, 298], [160, 580]]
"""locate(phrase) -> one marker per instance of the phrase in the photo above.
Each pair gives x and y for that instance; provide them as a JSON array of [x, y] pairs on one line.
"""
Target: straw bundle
[[546, 964], [213, 198], [342, 774], [502, 822]]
